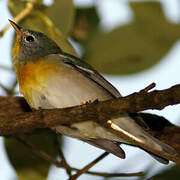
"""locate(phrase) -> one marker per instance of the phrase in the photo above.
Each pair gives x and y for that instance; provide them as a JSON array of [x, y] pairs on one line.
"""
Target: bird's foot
[[86, 102]]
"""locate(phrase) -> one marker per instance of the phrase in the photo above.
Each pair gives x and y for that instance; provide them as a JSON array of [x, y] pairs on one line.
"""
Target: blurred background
[[133, 43]]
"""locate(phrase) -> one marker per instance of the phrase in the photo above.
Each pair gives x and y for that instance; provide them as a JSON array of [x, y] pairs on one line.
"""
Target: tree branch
[[17, 118]]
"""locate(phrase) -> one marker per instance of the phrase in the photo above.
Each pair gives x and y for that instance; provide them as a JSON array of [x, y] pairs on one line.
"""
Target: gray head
[[33, 45]]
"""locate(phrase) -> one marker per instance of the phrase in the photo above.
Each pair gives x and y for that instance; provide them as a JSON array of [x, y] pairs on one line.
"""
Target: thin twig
[[63, 159], [102, 174], [87, 167], [9, 91], [12, 89], [48, 158], [39, 152], [26, 11], [149, 87], [5, 68]]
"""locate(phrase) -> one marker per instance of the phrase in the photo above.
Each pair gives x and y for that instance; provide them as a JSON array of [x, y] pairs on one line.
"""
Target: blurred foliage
[[127, 49], [62, 14], [41, 19], [170, 174], [86, 24], [28, 165], [136, 46]]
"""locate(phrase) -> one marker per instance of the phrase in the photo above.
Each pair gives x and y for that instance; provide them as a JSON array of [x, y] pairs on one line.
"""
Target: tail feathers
[[135, 135], [114, 148], [160, 159], [109, 146], [165, 147]]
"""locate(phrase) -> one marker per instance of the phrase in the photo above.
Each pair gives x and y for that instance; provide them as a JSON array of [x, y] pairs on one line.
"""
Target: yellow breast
[[34, 75]]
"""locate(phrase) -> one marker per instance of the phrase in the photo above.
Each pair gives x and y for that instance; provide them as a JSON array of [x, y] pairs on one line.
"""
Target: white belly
[[72, 90], [69, 90]]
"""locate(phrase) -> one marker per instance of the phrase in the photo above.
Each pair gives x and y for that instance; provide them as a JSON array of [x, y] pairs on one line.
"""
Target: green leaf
[[170, 174], [86, 24], [39, 21], [28, 165], [15, 6], [61, 12], [134, 47]]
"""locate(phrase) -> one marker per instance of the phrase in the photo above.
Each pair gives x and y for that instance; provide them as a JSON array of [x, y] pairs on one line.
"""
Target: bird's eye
[[30, 38]]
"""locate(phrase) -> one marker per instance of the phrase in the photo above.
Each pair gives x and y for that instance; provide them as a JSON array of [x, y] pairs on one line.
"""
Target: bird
[[50, 78]]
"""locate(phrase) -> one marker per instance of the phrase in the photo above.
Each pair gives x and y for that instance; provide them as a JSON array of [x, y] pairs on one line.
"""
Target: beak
[[16, 27]]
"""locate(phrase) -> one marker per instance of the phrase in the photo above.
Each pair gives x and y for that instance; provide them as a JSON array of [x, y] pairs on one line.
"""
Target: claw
[[86, 102]]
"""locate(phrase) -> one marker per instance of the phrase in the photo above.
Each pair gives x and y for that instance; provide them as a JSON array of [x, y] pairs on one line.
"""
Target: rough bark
[[16, 117]]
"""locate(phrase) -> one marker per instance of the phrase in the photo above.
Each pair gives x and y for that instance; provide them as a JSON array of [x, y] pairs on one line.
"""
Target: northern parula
[[50, 78]]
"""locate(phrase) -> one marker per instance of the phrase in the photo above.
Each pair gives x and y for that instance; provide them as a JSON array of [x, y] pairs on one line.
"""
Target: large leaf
[[61, 12], [134, 47], [41, 19], [28, 165], [86, 24], [170, 174]]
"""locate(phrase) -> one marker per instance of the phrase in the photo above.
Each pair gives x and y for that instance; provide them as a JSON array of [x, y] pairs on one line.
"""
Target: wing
[[125, 125], [90, 73]]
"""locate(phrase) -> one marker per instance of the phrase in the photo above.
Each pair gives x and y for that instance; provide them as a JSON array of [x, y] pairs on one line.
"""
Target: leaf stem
[[26, 11]]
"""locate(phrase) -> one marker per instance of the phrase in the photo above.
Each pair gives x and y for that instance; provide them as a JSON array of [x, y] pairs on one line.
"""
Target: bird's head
[[31, 45]]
